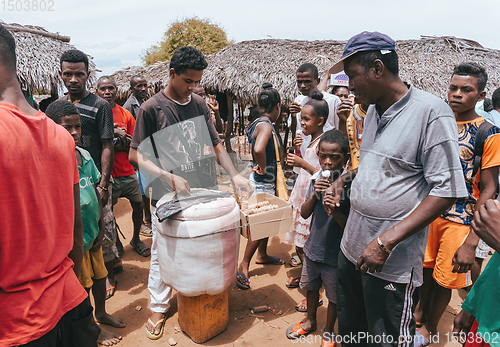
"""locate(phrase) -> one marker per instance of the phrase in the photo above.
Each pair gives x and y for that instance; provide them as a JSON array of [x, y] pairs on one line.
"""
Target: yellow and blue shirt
[[462, 210]]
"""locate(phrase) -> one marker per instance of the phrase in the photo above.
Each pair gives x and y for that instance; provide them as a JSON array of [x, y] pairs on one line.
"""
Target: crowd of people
[[393, 196]]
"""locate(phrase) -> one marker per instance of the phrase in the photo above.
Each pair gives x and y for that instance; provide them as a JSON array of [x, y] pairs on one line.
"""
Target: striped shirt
[[96, 117]]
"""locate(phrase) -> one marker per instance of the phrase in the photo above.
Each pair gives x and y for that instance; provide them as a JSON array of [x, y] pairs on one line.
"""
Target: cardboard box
[[260, 225]]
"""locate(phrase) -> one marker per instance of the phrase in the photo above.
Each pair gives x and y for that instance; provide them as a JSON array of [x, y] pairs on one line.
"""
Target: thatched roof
[[38, 52], [427, 63], [242, 68]]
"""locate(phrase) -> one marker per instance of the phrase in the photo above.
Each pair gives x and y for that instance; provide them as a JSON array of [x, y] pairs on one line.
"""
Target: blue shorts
[[143, 181], [314, 274]]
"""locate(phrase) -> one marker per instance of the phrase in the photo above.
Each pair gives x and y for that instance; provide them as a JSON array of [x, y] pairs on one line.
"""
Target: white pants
[[160, 293]]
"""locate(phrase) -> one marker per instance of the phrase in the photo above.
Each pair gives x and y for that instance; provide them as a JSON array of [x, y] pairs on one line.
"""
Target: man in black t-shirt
[[97, 138], [190, 126], [96, 114]]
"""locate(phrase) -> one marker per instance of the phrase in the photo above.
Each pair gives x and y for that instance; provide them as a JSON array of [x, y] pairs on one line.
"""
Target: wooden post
[[277, 126], [245, 147], [287, 130], [229, 123], [241, 126], [239, 147], [38, 32]]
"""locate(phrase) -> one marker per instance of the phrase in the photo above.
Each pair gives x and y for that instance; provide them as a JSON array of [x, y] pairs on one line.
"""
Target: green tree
[[199, 33]]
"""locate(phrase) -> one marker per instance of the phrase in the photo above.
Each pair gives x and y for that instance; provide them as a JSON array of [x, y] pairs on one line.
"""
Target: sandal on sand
[[295, 331], [295, 261], [419, 340], [293, 282], [110, 291], [242, 282], [141, 248], [152, 335], [327, 344], [146, 230], [273, 261], [302, 306]]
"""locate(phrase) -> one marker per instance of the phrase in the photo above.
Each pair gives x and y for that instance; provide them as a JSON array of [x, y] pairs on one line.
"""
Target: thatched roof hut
[[428, 63], [38, 52], [240, 69]]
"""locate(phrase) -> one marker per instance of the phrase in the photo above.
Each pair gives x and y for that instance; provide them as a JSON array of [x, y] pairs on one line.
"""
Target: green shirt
[[89, 177], [483, 302]]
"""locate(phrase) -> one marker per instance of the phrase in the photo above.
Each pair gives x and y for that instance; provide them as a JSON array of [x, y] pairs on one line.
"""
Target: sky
[[116, 33]]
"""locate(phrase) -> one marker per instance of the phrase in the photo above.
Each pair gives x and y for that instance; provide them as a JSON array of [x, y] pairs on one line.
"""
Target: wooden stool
[[203, 317]]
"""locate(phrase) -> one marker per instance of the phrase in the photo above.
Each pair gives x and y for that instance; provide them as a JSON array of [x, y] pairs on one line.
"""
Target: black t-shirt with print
[[192, 122]]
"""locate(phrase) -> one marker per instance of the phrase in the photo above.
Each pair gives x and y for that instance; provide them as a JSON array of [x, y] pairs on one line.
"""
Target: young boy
[[451, 246], [187, 109], [322, 248], [93, 273]]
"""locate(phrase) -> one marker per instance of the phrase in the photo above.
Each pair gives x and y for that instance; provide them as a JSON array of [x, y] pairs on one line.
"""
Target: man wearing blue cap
[[409, 173]]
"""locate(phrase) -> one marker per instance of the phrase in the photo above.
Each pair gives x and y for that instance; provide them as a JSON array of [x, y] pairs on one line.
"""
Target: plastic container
[[203, 317], [198, 247]]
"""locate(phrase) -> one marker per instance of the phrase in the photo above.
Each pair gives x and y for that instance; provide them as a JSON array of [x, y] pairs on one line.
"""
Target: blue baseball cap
[[365, 41]]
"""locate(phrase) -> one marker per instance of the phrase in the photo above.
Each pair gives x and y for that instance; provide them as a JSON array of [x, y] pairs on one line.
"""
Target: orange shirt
[[125, 120], [490, 158], [38, 171]]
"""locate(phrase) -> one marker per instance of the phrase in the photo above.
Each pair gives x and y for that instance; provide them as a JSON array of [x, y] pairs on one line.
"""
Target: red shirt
[[38, 170], [125, 120]]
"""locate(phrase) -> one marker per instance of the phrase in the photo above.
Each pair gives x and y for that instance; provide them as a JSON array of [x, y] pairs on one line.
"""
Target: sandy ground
[[131, 301]]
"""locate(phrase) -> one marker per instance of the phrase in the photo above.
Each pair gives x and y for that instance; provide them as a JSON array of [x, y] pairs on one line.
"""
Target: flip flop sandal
[[146, 230], [300, 309], [242, 282], [293, 282], [110, 291], [273, 261], [327, 344], [419, 340], [295, 331], [141, 248], [153, 336], [295, 261]]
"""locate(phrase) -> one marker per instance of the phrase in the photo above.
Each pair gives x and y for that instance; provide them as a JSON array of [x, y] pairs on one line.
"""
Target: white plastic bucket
[[198, 247]]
